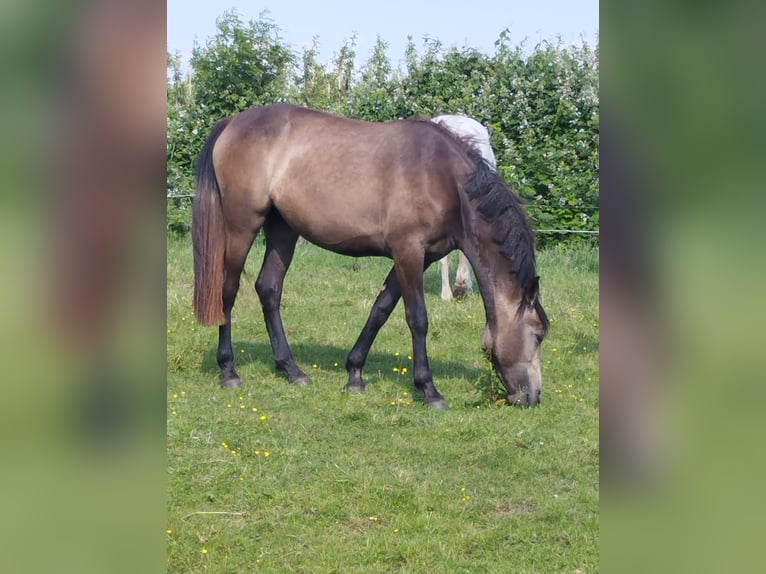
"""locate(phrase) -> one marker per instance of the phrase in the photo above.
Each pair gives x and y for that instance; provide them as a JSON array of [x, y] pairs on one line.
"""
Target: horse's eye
[[539, 337]]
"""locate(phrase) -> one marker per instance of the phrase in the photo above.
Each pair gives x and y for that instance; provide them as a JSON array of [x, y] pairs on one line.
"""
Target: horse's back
[[467, 127], [344, 184]]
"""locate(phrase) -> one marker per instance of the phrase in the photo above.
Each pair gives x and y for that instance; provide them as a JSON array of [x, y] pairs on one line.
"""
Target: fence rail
[[583, 231], [564, 231]]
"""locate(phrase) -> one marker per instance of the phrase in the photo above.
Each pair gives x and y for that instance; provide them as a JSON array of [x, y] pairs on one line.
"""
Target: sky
[[468, 23]]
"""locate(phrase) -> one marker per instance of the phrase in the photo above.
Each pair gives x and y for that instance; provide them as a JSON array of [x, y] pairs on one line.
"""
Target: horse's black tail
[[208, 236]]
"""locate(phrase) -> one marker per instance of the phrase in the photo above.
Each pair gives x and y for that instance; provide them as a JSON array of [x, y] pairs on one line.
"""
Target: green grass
[[316, 480]]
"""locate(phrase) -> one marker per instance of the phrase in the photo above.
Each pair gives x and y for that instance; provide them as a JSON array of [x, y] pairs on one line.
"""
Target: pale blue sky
[[468, 23]]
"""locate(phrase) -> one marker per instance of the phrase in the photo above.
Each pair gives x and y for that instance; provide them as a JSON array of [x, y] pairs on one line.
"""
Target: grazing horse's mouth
[[526, 391], [524, 398]]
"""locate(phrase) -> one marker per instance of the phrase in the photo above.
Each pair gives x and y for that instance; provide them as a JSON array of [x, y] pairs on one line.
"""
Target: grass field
[[276, 478]]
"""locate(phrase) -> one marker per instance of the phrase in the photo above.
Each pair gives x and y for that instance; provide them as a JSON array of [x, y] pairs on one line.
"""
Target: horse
[[409, 190], [464, 127]]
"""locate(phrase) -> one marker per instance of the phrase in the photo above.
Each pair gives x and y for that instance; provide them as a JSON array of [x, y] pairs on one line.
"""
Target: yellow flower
[[169, 531], [204, 550], [264, 417], [266, 453], [404, 370], [373, 517], [396, 369]]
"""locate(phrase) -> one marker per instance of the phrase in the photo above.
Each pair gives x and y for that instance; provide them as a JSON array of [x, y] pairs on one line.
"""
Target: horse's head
[[499, 241], [513, 345]]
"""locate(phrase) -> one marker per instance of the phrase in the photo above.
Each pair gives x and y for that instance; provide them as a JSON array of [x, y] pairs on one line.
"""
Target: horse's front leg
[[384, 304], [409, 272]]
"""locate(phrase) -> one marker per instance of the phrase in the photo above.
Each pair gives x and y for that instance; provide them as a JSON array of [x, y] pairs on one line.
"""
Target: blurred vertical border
[[82, 237], [683, 156]]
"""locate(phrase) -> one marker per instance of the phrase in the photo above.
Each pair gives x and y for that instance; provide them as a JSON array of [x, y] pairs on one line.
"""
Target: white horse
[[463, 126]]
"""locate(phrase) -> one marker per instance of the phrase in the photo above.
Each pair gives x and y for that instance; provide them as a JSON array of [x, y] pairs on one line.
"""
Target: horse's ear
[[532, 289]]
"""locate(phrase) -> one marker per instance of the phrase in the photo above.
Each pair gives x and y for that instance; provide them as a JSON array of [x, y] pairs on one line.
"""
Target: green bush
[[179, 215], [541, 108]]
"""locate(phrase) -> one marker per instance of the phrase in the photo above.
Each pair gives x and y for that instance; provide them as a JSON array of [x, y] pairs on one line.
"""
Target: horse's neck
[[499, 289]]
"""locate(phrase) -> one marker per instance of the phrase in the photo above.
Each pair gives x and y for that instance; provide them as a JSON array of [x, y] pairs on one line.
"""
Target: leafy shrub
[[541, 108]]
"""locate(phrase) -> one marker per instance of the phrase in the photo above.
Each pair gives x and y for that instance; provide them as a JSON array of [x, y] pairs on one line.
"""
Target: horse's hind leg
[[280, 247], [237, 248], [446, 293], [386, 301], [463, 282]]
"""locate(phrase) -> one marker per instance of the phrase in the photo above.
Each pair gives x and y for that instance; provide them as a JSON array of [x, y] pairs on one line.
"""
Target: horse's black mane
[[498, 205]]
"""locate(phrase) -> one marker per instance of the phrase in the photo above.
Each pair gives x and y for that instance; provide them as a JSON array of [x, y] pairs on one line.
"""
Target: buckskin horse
[[409, 190]]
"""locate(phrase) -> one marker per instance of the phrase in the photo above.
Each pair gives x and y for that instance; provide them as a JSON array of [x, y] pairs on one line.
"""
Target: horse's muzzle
[[524, 398]]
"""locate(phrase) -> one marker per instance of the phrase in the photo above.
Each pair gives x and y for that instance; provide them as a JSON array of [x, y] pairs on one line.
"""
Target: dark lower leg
[[417, 320], [384, 304], [237, 247], [411, 279], [280, 246], [225, 354]]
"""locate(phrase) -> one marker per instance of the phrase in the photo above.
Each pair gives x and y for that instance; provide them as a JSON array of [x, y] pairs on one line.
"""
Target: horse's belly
[[344, 221], [343, 239]]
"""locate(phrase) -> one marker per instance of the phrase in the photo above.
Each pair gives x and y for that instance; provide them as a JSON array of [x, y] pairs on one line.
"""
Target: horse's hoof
[[303, 381], [353, 388], [233, 383], [460, 291], [438, 403]]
